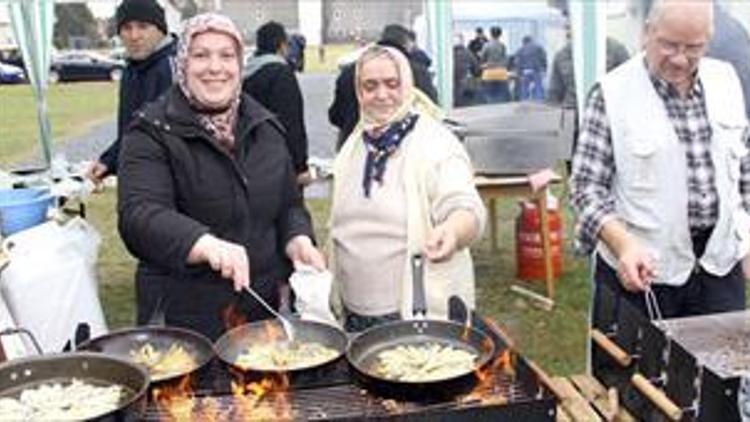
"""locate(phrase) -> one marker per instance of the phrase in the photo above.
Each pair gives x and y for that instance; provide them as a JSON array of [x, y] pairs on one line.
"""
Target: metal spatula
[[288, 327]]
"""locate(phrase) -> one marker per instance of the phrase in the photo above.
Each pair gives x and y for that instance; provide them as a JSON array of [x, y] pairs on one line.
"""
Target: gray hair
[[659, 7]]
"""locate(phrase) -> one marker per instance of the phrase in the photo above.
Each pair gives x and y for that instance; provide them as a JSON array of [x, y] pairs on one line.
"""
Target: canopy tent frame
[[33, 23]]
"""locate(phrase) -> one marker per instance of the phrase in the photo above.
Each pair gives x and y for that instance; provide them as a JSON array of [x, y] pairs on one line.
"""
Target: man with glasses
[[661, 173]]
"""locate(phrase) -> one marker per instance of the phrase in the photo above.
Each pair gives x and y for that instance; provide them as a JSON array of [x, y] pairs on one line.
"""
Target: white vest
[[650, 183]]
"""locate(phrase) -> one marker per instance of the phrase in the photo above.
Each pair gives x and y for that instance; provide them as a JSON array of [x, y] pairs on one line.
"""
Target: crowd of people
[[212, 166], [484, 72]]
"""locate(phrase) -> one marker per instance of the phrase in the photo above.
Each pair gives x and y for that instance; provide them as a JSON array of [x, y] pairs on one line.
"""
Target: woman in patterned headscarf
[[403, 185], [207, 193]]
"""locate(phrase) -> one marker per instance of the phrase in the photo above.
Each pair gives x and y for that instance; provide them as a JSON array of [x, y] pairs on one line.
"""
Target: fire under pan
[[512, 391]]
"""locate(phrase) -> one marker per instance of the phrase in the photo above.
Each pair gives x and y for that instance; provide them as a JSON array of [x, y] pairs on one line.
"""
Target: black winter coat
[[142, 81], [344, 111], [177, 184], [275, 86]]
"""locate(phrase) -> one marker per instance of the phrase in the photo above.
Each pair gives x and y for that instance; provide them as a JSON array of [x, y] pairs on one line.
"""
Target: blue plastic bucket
[[21, 209]]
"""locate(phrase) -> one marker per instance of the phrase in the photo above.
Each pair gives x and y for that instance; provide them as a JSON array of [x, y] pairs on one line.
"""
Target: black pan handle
[[27, 333], [417, 271], [458, 311]]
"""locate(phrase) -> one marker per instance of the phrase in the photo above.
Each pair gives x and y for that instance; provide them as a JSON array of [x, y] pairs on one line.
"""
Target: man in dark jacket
[[531, 66], [150, 49], [477, 43], [344, 112], [271, 81]]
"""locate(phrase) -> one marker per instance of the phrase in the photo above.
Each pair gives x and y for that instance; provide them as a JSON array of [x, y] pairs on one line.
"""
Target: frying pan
[[93, 368], [236, 341], [121, 343], [364, 349]]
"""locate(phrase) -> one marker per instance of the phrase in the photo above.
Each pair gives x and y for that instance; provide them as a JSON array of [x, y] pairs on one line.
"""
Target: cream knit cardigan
[[428, 144]]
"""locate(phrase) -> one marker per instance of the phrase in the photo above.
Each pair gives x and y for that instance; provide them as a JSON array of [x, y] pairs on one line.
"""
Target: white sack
[[50, 284]]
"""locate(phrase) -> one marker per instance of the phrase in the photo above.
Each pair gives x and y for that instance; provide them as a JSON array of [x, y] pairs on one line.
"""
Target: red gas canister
[[529, 249]]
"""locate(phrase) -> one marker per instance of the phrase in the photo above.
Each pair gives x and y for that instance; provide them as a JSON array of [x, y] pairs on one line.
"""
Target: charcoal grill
[[680, 369], [329, 393]]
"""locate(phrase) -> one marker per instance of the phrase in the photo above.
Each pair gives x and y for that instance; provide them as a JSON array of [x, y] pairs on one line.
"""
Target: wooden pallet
[[584, 398]]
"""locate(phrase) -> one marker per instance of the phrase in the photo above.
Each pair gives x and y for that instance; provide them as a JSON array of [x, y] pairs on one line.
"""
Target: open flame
[[487, 391], [177, 402], [264, 399]]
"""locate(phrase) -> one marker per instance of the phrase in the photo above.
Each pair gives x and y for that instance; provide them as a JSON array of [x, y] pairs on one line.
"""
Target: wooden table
[[493, 187]]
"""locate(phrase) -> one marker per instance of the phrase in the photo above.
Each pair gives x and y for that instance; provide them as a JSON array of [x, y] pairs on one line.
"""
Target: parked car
[[10, 74], [84, 66]]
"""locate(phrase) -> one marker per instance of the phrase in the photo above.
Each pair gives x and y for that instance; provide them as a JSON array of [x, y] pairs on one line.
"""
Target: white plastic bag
[[50, 285], [312, 289]]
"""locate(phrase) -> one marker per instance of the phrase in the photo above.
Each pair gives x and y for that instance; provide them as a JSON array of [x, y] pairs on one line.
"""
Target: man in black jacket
[[344, 112], [271, 81], [150, 49]]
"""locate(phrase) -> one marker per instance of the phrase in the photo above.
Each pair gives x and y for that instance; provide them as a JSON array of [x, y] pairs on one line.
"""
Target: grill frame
[[703, 394]]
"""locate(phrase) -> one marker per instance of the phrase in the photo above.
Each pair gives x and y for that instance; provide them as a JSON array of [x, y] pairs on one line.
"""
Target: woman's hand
[[301, 251], [230, 259], [441, 243], [456, 232]]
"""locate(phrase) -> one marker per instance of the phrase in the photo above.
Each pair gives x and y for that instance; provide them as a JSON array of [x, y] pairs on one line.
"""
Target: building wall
[[350, 20], [250, 14]]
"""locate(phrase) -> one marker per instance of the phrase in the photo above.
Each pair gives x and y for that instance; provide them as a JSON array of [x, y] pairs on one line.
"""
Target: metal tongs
[[653, 309], [288, 327]]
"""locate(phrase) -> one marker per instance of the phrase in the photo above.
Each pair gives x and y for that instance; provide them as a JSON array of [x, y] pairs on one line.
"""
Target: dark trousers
[[354, 322], [703, 293]]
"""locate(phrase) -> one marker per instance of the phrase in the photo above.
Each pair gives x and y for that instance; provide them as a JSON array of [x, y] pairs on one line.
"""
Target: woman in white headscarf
[[403, 185], [207, 193]]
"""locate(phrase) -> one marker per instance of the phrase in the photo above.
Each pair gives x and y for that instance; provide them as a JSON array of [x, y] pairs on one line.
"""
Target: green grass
[[555, 339], [73, 108], [332, 53]]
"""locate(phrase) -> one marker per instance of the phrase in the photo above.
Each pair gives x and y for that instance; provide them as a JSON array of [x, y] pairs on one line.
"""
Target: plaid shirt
[[594, 162]]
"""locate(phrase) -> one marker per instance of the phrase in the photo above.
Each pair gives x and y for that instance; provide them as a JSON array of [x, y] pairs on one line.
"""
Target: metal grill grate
[[335, 402]]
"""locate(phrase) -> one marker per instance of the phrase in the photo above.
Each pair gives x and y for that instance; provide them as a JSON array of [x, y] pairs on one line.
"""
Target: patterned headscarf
[[219, 122]]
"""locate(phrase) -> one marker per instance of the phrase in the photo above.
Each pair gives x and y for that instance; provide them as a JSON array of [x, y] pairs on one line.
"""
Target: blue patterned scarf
[[380, 147]]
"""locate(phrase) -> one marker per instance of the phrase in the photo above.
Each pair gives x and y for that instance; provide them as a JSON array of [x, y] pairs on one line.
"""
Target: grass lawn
[[73, 108], [555, 339], [315, 63]]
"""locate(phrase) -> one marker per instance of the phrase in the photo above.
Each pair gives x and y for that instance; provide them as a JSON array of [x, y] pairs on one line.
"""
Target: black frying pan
[[236, 341], [364, 349], [93, 368], [121, 343]]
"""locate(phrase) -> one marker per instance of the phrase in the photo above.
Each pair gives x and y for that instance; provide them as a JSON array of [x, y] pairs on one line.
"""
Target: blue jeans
[[496, 91], [531, 87]]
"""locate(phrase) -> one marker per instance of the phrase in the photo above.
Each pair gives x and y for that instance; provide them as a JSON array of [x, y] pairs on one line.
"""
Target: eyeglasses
[[691, 51]]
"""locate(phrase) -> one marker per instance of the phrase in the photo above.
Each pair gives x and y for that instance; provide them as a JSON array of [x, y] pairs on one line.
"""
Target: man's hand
[[636, 264], [227, 258], [96, 172], [301, 251], [636, 267], [746, 266]]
